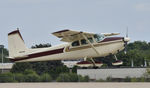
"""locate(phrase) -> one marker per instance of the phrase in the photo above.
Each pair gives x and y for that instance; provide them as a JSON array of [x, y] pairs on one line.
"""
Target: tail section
[[16, 44]]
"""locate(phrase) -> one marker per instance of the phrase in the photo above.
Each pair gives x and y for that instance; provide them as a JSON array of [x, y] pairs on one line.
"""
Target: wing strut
[[90, 43]]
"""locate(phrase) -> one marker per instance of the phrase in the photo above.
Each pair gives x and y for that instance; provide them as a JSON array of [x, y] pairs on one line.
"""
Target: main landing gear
[[117, 62], [89, 63]]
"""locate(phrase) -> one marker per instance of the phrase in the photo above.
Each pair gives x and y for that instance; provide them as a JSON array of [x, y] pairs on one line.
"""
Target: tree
[[55, 71], [134, 79], [7, 77], [64, 77], [74, 69], [46, 77], [71, 77], [5, 54], [83, 79], [86, 78], [31, 76], [138, 45], [20, 67], [19, 77]]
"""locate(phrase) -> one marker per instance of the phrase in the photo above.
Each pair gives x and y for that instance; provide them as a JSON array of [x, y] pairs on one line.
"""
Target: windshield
[[99, 37]]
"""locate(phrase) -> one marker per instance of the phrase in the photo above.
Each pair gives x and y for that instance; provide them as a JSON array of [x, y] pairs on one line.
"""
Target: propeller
[[126, 42]]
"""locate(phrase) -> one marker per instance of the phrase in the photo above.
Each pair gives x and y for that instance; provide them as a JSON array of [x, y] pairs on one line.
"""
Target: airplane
[[78, 45]]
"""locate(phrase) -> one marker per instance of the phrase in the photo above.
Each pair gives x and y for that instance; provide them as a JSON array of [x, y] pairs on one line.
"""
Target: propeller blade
[[127, 32], [126, 43], [125, 49]]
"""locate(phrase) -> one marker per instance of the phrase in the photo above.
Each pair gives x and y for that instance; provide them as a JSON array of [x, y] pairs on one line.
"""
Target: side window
[[83, 42], [75, 43], [97, 38], [91, 40]]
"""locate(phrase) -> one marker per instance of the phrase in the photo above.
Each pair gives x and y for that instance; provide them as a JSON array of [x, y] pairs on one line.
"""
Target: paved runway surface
[[75, 85]]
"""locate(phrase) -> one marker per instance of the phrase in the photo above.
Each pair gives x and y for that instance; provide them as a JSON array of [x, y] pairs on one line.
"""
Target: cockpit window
[[75, 43], [83, 42], [99, 37]]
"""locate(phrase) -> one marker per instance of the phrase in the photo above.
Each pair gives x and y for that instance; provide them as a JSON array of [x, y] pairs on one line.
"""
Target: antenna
[[127, 32], [126, 43], [17, 28]]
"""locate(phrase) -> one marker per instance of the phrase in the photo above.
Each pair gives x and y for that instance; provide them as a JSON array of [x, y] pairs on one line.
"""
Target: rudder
[[16, 44]]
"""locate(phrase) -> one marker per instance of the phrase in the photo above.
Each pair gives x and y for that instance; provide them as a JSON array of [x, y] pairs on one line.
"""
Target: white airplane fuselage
[[110, 45]]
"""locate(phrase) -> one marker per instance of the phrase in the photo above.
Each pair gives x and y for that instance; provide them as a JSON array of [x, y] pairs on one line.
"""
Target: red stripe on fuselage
[[40, 54], [111, 39]]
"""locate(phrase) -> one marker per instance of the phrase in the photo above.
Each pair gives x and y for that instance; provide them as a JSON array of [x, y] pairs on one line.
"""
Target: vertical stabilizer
[[16, 44]]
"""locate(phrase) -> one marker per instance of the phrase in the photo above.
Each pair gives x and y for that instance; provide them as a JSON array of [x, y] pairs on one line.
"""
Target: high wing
[[70, 35]]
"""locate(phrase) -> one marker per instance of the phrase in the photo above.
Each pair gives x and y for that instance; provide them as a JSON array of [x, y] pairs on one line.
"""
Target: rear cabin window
[[91, 40], [83, 42], [75, 43]]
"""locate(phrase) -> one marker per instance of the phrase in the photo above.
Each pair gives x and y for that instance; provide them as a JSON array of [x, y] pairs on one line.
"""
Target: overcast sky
[[37, 19]]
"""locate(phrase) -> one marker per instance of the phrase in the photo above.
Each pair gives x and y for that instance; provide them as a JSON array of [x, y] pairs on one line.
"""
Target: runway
[[75, 85]]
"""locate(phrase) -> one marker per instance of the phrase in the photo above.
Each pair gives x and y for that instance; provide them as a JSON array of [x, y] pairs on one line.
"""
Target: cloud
[[142, 7]]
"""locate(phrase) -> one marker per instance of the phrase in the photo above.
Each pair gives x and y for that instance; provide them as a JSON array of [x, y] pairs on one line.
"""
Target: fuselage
[[110, 45]]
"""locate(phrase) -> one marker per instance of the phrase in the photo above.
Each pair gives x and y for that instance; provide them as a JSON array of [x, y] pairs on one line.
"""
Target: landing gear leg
[[85, 58], [93, 62], [117, 62], [115, 57]]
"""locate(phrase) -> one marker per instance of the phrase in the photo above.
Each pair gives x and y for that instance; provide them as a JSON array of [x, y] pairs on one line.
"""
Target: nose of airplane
[[126, 39]]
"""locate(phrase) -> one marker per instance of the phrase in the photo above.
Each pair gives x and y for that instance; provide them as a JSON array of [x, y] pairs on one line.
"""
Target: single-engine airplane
[[78, 45]]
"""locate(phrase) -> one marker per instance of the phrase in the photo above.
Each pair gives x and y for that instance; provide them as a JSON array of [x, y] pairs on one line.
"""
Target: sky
[[37, 19]]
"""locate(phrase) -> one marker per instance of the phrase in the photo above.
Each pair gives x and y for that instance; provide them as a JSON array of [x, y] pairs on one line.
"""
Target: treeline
[[32, 76], [54, 68], [5, 55]]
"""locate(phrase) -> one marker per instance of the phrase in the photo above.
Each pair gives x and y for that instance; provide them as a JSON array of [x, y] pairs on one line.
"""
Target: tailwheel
[[117, 62]]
